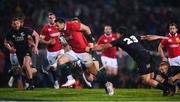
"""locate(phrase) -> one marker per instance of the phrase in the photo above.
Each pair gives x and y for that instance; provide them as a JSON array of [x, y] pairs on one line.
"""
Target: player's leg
[[29, 71], [151, 79], [92, 67], [52, 59], [12, 71], [67, 58], [105, 62], [114, 66]]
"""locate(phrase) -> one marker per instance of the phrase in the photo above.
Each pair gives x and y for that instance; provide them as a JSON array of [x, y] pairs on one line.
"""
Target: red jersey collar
[[172, 35], [108, 36], [49, 24]]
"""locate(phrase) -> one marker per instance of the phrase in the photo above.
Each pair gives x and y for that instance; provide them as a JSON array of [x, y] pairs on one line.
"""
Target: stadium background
[[141, 16]]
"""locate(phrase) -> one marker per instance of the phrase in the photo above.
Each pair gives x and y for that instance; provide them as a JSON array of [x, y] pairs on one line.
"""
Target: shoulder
[[26, 28]]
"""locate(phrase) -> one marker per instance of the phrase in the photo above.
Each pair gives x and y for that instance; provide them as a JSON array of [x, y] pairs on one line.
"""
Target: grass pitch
[[46, 94]]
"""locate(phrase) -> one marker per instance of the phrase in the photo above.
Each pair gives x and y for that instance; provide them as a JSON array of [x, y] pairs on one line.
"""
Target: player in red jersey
[[77, 47], [172, 45], [108, 56], [50, 37]]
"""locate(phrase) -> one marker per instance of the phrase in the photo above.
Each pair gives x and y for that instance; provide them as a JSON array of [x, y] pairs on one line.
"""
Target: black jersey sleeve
[[138, 37], [115, 42]]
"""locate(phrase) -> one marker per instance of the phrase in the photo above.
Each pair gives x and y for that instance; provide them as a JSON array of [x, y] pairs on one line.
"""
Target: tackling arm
[[101, 47], [152, 37]]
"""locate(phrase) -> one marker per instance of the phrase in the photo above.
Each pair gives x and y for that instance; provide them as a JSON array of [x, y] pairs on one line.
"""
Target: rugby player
[[172, 44], [108, 56], [130, 43], [76, 49], [18, 37]]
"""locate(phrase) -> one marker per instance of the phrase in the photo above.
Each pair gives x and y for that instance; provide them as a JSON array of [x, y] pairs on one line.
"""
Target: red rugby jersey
[[75, 37], [110, 52], [172, 45], [51, 32]]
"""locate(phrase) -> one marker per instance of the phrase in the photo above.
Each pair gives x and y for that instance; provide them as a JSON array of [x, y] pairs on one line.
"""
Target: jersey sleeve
[[43, 31], [163, 42], [138, 37], [115, 43]]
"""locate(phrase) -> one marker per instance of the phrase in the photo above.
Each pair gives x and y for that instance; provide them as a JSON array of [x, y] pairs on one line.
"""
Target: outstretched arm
[[152, 37], [101, 47]]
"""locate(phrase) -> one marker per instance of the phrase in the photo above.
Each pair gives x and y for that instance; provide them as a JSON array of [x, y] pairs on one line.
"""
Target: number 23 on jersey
[[130, 40]]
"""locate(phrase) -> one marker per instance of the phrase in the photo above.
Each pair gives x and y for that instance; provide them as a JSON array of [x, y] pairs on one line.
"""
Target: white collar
[[171, 34], [65, 27]]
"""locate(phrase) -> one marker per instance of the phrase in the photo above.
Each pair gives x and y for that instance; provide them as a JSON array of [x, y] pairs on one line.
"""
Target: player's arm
[[36, 36], [152, 37], [101, 47], [87, 31], [160, 50], [174, 78], [46, 42], [9, 46]]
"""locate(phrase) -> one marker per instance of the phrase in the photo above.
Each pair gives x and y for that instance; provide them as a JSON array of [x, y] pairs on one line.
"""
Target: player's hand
[[88, 49], [12, 50], [164, 59], [52, 41], [171, 79], [35, 50]]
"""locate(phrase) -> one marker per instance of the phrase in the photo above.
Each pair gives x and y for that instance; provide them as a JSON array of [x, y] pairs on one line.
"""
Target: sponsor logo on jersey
[[49, 29], [170, 40], [105, 40]]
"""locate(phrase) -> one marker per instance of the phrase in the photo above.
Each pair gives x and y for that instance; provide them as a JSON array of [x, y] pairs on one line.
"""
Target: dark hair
[[60, 20], [76, 19], [50, 13], [17, 18], [173, 24], [122, 30]]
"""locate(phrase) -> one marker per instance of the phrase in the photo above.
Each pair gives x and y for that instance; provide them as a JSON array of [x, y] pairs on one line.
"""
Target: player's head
[[120, 31], [173, 28], [163, 67], [60, 24], [51, 17], [17, 22], [76, 19], [107, 30]]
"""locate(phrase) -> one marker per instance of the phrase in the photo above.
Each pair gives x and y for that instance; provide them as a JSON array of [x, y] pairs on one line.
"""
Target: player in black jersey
[[170, 73], [131, 44], [17, 41]]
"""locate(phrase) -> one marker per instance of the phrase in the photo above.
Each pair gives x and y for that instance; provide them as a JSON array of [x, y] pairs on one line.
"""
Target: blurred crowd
[[141, 16]]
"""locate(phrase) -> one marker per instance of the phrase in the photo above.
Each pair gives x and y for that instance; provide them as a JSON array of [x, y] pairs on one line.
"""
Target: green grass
[[85, 95]]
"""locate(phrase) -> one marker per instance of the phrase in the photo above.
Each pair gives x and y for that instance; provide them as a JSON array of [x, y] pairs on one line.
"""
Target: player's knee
[[63, 59]]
